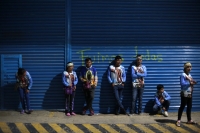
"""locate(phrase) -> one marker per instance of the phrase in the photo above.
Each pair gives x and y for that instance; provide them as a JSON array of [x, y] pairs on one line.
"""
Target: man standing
[[117, 77], [139, 71], [89, 78]]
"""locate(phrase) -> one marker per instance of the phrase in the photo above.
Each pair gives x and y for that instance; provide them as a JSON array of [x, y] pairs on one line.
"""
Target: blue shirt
[[66, 80], [116, 75], [137, 74], [184, 82], [28, 77], [165, 95]]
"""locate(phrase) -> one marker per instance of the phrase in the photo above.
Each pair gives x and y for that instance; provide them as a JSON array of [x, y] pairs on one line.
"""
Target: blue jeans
[[24, 97], [118, 89], [137, 92]]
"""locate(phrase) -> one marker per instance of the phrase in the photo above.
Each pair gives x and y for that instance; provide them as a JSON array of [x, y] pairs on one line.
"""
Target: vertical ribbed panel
[[106, 28], [36, 30]]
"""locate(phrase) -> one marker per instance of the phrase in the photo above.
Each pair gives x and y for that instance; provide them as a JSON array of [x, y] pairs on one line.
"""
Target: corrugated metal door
[[36, 30], [103, 29], [9, 66]]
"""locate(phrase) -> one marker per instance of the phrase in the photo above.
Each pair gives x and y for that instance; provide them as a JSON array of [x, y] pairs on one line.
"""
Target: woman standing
[[187, 84]]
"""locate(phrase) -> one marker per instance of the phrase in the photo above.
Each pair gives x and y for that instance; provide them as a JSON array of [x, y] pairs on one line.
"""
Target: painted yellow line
[[74, 128], [143, 128], [22, 128], [51, 114], [108, 128], [125, 128], [57, 128], [91, 128], [39, 128], [177, 128], [193, 127], [160, 128], [4, 127]]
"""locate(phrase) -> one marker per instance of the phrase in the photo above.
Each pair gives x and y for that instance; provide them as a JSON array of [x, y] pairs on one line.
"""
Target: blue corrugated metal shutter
[[103, 29], [9, 66], [36, 30]]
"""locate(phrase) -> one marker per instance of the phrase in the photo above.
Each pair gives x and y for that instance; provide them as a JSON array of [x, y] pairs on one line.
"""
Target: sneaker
[[124, 112], [68, 114], [22, 112], [91, 112], [191, 122], [178, 123], [29, 111], [165, 114], [72, 113]]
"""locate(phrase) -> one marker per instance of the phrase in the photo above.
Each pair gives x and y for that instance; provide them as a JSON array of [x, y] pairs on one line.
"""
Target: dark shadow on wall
[[54, 97], [127, 93], [149, 107], [10, 97], [107, 99], [79, 99]]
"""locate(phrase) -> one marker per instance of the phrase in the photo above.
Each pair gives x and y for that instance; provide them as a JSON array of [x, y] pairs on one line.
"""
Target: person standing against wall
[[139, 71], [23, 85], [187, 83], [88, 76], [69, 80], [117, 77]]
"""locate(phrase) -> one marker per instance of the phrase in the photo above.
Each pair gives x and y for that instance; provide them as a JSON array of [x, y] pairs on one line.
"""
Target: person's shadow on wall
[[127, 101], [54, 97], [10, 97], [107, 100], [79, 99]]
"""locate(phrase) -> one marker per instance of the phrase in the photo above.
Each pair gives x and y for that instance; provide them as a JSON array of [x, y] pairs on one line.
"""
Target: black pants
[[166, 104], [89, 96], [185, 101], [69, 103]]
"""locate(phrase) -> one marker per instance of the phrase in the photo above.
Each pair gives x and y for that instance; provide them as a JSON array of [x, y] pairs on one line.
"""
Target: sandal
[[191, 122], [178, 123]]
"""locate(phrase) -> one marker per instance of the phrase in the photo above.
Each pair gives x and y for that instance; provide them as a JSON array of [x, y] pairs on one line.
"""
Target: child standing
[[161, 100], [69, 80]]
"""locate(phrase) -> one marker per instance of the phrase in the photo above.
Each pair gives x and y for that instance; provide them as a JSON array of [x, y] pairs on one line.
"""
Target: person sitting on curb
[[161, 101]]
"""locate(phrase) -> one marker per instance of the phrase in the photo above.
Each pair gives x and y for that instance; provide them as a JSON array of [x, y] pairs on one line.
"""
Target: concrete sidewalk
[[43, 116]]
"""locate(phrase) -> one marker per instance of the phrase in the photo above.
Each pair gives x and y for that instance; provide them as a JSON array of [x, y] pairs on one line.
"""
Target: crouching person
[[161, 101]]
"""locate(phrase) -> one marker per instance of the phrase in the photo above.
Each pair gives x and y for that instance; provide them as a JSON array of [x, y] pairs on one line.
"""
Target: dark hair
[[159, 87], [21, 71], [88, 59], [138, 55], [118, 57]]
